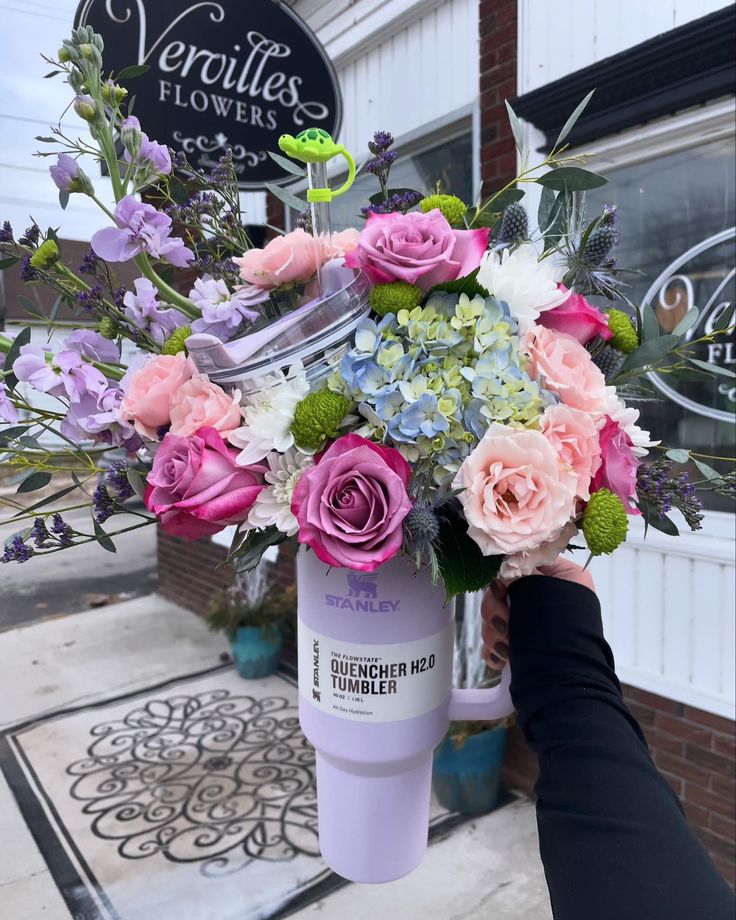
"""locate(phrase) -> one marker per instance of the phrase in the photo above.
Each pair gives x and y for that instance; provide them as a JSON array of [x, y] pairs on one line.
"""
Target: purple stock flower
[[65, 173], [140, 228], [148, 151], [8, 412], [93, 346], [224, 313], [96, 416], [67, 374], [144, 310]]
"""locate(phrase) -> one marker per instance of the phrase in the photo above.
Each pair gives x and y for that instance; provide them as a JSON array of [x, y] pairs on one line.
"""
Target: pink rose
[[516, 492], [149, 392], [574, 436], [418, 248], [340, 244], [567, 370], [350, 506], [577, 318], [295, 256], [620, 464], [201, 404], [196, 486]]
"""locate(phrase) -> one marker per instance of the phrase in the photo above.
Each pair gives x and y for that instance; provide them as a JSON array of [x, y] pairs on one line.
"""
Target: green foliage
[[468, 285], [229, 610], [463, 567]]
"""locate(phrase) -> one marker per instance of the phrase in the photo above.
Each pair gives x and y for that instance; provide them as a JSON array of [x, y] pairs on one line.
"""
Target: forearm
[[613, 837]]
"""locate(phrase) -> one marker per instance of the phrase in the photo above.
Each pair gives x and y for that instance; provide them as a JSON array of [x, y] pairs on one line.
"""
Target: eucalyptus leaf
[[53, 312], [136, 482], [63, 199], [35, 481], [52, 73], [687, 321], [502, 200], [288, 165], [104, 539], [715, 369], [290, 200], [678, 455], [46, 140], [9, 434], [248, 554], [650, 352], [652, 519], [134, 70], [23, 338], [6, 263], [515, 127], [546, 201], [572, 120], [46, 501], [707, 470], [725, 318], [462, 565], [571, 179], [650, 324]]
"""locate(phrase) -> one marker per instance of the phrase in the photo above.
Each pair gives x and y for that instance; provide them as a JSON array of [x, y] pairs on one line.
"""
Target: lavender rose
[[417, 248], [351, 505], [196, 488]]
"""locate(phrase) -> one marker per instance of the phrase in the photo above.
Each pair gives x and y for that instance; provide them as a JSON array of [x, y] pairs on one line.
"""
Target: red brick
[[661, 741], [681, 768], [706, 797], [696, 814], [675, 782], [723, 785], [725, 744], [723, 826], [717, 763], [727, 869], [643, 714], [659, 703], [682, 729], [700, 717], [716, 845]]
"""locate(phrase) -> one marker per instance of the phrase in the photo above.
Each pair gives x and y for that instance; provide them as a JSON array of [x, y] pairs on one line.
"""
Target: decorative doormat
[[191, 800]]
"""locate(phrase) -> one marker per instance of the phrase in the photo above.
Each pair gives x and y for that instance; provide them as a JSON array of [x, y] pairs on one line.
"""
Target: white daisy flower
[[273, 504]]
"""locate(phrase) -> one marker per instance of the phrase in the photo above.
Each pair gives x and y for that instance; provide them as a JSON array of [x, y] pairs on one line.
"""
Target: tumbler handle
[[482, 704]]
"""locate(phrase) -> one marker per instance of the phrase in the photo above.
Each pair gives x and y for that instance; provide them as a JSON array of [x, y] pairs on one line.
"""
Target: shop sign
[[703, 277], [232, 73]]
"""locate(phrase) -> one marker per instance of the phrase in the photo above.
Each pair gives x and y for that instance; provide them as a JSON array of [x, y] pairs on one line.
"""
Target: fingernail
[[498, 589], [501, 649], [499, 624]]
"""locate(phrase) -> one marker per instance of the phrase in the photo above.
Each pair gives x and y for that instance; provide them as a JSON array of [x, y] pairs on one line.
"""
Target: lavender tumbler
[[375, 699]]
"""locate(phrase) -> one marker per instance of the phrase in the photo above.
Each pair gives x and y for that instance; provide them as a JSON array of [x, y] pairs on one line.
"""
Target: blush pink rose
[[567, 370], [417, 248], [516, 492], [351, 505], [201, 404], [574, 436], [295, 256], [619, 465], [576, 318], [340, 244], [196, 487], [149, 392]]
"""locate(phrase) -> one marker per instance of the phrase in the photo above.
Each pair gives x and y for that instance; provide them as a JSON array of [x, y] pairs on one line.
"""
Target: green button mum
[[317, 418], [624, 335], [46, 256], [605, 522], [453, 208], [390, 298], [175, 342]]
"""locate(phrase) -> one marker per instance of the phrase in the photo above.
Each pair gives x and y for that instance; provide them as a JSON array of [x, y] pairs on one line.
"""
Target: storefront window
[[676, 218], [450, 162]]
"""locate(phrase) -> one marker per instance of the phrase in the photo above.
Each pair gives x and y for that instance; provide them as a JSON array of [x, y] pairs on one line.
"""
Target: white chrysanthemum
[[273, 504], [627, 417], [527, 285], [268, 414]]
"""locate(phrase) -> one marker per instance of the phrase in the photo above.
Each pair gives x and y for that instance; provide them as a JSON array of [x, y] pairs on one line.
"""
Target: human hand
[[494, 609]]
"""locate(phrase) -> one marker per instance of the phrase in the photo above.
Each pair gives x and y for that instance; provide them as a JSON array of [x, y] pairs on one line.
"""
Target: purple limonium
[[62, 530], [117, 479], [68, 177], [8, 412], [6, 232], [140, 228], [143, 309], [16, 551], [223, 312]]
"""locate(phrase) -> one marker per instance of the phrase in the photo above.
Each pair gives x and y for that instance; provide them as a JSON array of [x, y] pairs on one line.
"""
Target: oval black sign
[[230, 73]]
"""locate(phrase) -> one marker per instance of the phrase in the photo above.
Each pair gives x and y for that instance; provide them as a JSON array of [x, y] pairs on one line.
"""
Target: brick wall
[[498, 56], [694, 751]]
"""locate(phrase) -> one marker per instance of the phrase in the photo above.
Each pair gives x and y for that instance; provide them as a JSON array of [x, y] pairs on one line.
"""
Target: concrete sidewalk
[[485, 868]]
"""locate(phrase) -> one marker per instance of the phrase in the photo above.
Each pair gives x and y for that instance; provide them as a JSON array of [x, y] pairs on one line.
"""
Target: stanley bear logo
[[317, 696], [361, 584]]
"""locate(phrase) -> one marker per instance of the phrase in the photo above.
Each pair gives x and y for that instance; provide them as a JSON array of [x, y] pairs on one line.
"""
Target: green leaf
[[515, 127], [52, 73], [9, 434], [650, 352], [502, 200], [462, 565], [715, 369], [288, 165], [35, 481], [53, 312], [571, 179], [687, 321], [248, 553], [137, 483], [291, 201], [23, 338], [6, 263], [467, 285], [652, 519], [129, 73], [571, 121], [724, 319], [46, 140], [707, 470], [103, 539], [546, 202], [650, 324], [46, 501], [63, 199], [678, 455]]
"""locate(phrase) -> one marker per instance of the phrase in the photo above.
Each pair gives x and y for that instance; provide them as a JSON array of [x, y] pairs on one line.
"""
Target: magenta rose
[[577, 318], [351, 505], [619, 466], [196, 488], [418, 248]]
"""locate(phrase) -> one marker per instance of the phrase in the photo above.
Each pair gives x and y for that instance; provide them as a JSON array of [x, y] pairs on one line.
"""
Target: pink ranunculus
[[516, 492], [296, 256], [529, 561], [338, 245], [202, 404], [567, 370], [574, 436], [619, 465], [196, 488], [576, 318], [351, 505], [421, 249], [150, 390]]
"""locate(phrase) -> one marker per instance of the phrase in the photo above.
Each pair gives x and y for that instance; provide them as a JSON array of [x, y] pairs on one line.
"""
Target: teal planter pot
[[466, 779], [256, 650]]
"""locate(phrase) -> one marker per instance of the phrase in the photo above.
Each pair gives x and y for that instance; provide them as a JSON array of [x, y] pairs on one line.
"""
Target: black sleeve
[[612, 835]]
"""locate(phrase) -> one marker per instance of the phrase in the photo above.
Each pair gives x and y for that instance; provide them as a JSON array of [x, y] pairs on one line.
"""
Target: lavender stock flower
[[138, 146], [140, 228], [8, 412], [224, 313], [68, 177], [143, 309]]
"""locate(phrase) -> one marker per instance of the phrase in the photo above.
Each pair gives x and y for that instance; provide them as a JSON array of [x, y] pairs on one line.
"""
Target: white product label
[[375, 683]]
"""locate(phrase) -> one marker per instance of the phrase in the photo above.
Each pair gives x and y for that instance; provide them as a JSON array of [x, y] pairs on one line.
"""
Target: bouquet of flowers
[[481, 414]]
